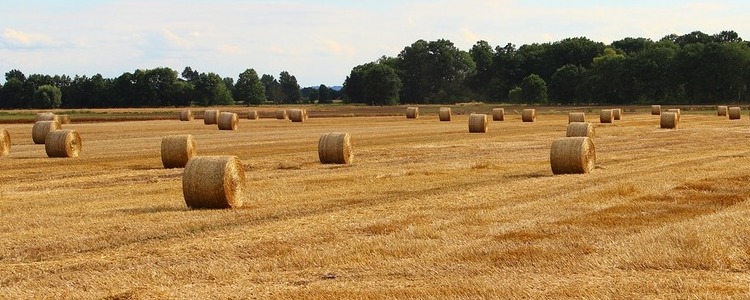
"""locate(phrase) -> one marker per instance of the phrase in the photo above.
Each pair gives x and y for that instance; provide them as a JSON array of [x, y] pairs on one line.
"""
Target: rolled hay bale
[[444, 114], [576, 117], [498, 114], [228, 121], [63, 119], [606, 116], [478, 123], [668, 120], [213, 182], [210, 116], [677, 111], [177, 150], [186, 115], [735, 113], [252, 115], [528, 115], [46, 117], [63, 143], [335, 148], [580, 129], [412, 112], [281, 114], [655, 110], [41, 128], [618, 113], [297, 115], [723, 110], [572, 155], [4, 142]]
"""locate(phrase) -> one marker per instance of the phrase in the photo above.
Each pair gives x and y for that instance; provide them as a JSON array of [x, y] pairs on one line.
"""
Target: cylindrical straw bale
[[412, 112], [4, 142], [478, 123], [572, 155], [618, 113], [606, 116], [177, 150], [210, 116], [668, 120], [213, 182], [576, 117], [63, 143], [186, 115], [47, 117], [498, 114], [252, 115], [228, 121], [281, 114], [655, 110], [735, 113], [580, 129], [723, 110], [41, 128], [528, 115], [444, 114], [63, 119], [677, 111], [335, 148], [297, 115]]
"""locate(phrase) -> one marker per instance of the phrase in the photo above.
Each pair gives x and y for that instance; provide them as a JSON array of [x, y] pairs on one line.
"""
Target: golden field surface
[[427, 210]]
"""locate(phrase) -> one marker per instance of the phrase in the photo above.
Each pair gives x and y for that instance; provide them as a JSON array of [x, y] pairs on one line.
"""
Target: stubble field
[[427, 210]]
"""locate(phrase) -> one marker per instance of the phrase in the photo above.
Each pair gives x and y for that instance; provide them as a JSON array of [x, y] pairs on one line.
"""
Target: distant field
[[427, 210]]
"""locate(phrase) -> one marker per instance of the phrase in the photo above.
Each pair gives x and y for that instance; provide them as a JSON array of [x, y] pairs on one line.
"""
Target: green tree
[[434, 72], [249, 88], [515, 95], [47, 96], [565, 82], [210, 90], [354, 85], [533, 90], [324, 94], [382, 85], [482, 54], [289, 88]]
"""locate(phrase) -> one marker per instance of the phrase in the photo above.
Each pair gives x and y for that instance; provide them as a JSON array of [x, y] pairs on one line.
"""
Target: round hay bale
[[445, 114], [528, 115], [297, 115], [63, 119], [498, 114], [47, 117], [41, 128], [580, 129], [668, 120], [576, 117], [63, 143], [723, 110], [572, 155], [335, 148], [228, 121], [186, 115], [655, 110], [735, 113], [252, 115], [677, 111], [478, 123], [606, 116], [177, 150], [281, 114], [210, 116], [412, 112], [213, 182], [4, 142], [618, 113]]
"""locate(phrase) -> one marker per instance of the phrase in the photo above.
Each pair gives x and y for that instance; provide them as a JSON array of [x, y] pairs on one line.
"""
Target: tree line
[[694, 68]]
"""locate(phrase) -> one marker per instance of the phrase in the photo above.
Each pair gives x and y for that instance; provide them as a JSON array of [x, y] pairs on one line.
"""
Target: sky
[[319, 42]]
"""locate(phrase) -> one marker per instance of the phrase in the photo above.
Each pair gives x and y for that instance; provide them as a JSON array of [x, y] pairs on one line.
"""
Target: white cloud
[[15, 38]]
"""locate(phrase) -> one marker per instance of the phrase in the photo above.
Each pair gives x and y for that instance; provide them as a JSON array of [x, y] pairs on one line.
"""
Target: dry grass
[[428, 211]]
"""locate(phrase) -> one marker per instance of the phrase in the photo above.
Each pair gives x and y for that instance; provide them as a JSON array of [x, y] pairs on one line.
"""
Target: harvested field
[[427, 210]]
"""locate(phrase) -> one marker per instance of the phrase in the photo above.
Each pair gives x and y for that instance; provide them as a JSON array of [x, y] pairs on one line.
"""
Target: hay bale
[[444, 114], [211, 116], [580, 129], [63, 119], [228, 121], [213, 182], [62, 143], [177, 150], [478, 123], [528, 115], [498, 114], [186, 115], [668, 120], [618, 113], [335, 148], [655, 110], [572, 155], [41, 128], [4, 142], [412, 112], [281, 114], [606, 116], [252, 115], [723, 110], [576, 117], [677, 111], [735, 113], [297, 115], [47, 117]]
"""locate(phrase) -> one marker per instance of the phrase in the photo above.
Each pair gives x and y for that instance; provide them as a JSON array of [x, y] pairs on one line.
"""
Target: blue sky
[[317, 41]]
